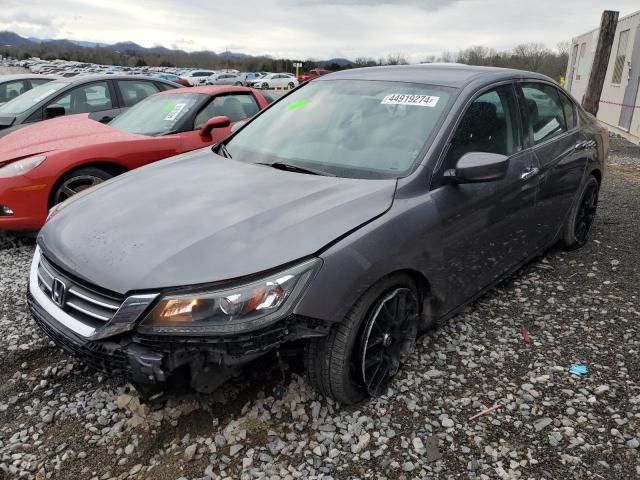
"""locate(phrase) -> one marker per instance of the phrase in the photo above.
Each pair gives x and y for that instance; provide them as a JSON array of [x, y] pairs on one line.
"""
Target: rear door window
[[544, 111], [133, 91], [569, 111]]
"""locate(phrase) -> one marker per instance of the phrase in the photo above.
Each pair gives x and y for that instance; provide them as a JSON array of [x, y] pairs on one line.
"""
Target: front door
[[487, 227]]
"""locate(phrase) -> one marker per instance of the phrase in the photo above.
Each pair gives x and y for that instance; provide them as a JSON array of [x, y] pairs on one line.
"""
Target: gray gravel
[[59, 420]]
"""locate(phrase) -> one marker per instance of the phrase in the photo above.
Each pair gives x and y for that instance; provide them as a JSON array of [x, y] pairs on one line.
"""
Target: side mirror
[[53, 111], [238, 125], [475, 167], [214, 122]]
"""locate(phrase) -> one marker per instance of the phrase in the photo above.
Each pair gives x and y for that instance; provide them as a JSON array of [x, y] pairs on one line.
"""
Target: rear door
[[486, 227], [559, 148]]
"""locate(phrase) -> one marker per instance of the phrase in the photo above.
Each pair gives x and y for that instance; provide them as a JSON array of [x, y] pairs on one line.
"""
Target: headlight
[[21, 166], [232, 310]]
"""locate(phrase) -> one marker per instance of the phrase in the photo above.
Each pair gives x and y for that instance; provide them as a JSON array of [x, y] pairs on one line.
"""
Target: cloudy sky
[[317, 29]]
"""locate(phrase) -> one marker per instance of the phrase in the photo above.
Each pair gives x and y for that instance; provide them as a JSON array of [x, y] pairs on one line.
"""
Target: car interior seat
[[479, 131], [232, 109]]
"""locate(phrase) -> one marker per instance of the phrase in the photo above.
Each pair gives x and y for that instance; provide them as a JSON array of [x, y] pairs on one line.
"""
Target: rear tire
[[577, 228], [76, 181], [340, 365], [291, 86]]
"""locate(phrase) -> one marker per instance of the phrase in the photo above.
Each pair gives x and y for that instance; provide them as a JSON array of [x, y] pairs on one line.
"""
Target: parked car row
[[341, 220], [185, 77]]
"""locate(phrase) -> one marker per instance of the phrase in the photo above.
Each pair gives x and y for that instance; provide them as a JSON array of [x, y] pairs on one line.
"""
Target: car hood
[[200, 218], [62, 133]]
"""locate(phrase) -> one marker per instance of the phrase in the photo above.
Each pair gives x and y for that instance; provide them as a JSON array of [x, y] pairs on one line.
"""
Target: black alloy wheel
[[388, 338], [586, 213]]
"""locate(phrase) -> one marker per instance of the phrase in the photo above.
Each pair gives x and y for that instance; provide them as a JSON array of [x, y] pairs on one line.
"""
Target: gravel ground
[[59, 420]]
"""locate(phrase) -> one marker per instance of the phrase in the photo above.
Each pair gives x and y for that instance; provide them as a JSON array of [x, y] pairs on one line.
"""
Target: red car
[[44, 164], [315, 73]]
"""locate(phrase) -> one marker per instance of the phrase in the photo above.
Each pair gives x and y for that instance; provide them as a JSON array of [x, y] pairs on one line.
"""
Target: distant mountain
[[13, 39], [343, 62]]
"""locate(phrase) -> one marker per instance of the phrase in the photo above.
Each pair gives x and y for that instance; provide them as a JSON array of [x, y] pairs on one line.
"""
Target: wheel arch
[[110, 166]]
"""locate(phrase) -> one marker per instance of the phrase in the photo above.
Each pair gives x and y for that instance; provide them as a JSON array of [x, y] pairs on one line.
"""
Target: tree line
[[534, 57], [530, 56]]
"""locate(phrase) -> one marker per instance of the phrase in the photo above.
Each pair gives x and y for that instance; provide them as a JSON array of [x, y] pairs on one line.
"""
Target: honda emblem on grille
[[58, 292]]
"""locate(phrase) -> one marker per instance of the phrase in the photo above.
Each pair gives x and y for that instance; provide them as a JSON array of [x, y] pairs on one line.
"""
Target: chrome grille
[[82, 302]]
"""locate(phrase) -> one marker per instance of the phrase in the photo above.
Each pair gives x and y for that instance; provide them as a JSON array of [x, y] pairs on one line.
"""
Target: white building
[[620, 100]]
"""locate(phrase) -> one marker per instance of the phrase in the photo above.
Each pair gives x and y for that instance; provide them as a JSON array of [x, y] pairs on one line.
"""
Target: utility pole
[[608, 25]]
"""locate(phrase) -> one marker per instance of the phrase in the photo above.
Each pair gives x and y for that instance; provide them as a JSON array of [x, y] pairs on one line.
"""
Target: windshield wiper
[[222, 148], [295, 168]]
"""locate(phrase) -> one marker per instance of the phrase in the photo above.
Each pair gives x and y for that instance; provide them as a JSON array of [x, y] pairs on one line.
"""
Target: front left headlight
[[232, 310], [20, 167]]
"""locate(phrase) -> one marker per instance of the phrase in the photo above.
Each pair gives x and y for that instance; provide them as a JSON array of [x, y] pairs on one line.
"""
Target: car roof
[[25, 76], [210, 90], [442, 74], [92, 78]]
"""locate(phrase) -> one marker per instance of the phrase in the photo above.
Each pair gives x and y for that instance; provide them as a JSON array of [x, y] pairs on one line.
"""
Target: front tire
[[291, 86], [362, 353], [577, 228], [77, 181]]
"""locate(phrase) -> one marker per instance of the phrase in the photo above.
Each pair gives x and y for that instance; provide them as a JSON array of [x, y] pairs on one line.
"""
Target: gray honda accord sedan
[[356, 212]]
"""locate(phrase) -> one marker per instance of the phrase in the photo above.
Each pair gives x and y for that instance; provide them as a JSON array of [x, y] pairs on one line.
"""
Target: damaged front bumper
[[148, 360]]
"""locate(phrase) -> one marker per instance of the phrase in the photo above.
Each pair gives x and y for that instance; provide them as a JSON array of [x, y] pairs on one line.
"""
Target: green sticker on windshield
[[297, 105], [168, 107]]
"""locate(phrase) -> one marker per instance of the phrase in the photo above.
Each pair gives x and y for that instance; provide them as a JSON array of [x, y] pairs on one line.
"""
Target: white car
[[224, 79], [276, 80], [198, 77]]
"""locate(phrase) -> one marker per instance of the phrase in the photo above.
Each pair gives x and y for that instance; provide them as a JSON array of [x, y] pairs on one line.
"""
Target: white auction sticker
[[177, 109], [408, 99]]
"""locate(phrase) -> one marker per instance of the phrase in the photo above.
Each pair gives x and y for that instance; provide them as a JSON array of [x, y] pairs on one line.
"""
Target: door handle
[[529, 172]]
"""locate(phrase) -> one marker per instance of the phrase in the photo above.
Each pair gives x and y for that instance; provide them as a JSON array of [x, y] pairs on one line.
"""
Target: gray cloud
[[317, 29]]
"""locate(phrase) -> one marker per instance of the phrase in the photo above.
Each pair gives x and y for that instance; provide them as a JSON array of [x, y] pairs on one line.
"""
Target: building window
[[583, 48], [621, 56]]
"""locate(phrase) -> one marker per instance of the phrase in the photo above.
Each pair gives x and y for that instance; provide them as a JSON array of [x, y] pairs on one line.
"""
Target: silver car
[[224, 79]]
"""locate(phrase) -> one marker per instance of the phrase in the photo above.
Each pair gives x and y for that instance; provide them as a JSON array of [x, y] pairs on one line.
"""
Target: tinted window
[[545, 112], [40, 81], [11, 90], [235, 107], [489, 125], [94, 97], [569, 111], [133, 91]]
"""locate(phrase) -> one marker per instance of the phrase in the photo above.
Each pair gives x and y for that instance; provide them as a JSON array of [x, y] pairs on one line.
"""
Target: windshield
[[158, 114], [358, 129], [27, 100]]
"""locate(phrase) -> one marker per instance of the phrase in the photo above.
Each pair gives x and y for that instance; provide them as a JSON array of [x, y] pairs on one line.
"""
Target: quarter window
[[133, 91], [621, 56], [545, 111], [94, 97], [489, 125]]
